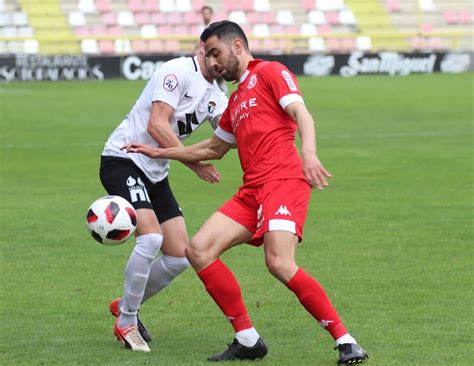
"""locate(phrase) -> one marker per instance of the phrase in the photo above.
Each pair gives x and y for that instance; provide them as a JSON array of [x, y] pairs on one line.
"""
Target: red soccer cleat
[[114, 308], [130, 337]]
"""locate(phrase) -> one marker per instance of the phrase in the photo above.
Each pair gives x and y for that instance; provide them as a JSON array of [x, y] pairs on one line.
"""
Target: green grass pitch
[[390, 240]]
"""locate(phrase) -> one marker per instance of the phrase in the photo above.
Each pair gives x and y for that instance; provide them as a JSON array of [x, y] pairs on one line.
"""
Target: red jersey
[[256, 121]]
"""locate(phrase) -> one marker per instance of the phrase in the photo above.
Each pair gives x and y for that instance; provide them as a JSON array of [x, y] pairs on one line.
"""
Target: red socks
[[225, 290], [312, 296]]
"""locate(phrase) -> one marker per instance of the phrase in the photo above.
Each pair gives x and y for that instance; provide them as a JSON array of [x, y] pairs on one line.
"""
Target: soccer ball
[[111, 220]]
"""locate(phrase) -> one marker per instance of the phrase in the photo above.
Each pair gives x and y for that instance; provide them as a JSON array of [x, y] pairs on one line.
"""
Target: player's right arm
[[210, 149], [160, 129], [159, 125], [170, 85]]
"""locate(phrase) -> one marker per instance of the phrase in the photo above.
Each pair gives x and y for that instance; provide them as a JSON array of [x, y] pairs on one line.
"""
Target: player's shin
[[136, 276], [313, 297], [223, 287], [163, 271]]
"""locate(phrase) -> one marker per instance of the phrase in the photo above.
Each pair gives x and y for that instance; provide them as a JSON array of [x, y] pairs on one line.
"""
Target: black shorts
[[121, 177]]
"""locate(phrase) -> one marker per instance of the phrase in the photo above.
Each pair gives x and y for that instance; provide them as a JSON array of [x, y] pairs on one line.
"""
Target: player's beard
[[231, 69]]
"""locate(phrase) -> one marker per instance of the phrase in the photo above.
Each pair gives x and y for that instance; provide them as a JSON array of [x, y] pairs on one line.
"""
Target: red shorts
[[272, 206]]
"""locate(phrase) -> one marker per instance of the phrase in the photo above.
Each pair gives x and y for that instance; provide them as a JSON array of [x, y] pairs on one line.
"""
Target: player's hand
[[207, 172], [136, 148], [315, 173]]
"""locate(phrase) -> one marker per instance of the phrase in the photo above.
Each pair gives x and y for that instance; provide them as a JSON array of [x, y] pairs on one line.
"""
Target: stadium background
[[331, 31], [391, 239]]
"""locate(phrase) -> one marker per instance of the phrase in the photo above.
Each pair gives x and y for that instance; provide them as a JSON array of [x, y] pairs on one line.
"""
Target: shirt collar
[[244, 76], [250, 66]]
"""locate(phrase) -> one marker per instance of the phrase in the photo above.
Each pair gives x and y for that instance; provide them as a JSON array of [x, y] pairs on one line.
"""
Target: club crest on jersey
[[252, 82], [170, 83], [211, 107], [289, 80]]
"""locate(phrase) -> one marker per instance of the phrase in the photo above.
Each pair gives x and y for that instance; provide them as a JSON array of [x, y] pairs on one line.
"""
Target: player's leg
[[127, 329], [280, 259], [121, 177], [217, 235], [285, 212], [173, 261], [280, 247], [148, 242], [139, 265]]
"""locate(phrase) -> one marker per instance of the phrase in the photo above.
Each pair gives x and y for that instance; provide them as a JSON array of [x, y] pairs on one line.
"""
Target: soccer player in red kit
[[270, 207]]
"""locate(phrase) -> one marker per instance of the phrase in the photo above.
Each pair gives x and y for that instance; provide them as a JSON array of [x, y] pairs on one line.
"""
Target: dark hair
[[225, 29], [207, 7]]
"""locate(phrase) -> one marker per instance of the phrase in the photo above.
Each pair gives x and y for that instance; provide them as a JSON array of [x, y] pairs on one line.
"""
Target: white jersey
[[179, 83]]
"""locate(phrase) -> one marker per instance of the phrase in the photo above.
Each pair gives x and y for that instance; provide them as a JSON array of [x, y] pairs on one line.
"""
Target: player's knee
[[148, 245], [197, 254], [175, 265], [280, 268]]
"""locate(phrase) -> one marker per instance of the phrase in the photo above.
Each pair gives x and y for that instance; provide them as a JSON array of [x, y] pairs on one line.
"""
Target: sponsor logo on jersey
[[252, 82], [185, 128], [211, 107], [241, 112], [283, 211], [137, 190], [170, 83], [289, 80]]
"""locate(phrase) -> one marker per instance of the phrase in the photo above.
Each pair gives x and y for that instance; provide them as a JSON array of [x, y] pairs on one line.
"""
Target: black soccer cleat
[[236, 351], [351, 353], [146, 335]]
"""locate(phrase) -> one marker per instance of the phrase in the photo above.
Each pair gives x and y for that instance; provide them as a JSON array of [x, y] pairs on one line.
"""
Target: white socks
[[136, 276], [346, 338], [162, 272], [247, 337]]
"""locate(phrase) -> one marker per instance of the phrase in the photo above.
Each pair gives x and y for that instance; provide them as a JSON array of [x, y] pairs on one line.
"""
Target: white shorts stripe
[[283, 225]]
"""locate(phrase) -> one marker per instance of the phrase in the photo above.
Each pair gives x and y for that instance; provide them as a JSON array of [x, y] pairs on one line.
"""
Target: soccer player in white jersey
[[270, 207], [177, 99]]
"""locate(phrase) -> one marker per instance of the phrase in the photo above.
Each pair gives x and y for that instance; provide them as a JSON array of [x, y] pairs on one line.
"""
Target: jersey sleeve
[[282, 84], [224, 130], [170, 83]]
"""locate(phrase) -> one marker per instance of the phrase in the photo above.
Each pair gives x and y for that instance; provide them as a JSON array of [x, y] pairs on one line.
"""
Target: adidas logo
[[283, 211]]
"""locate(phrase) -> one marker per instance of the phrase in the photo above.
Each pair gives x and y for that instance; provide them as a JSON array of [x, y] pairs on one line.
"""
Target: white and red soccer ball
[[111, 220]]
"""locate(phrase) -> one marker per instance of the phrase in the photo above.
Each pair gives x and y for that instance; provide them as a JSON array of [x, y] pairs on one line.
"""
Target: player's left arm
[[284, 87], [314, 171], [210, 149]]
